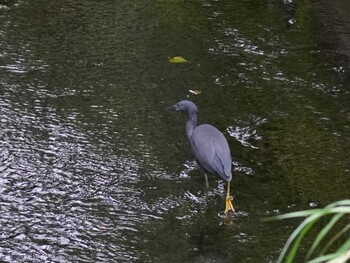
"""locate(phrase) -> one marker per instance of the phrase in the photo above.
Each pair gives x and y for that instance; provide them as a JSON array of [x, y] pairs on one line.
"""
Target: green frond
[[323, 233], [337, 210]]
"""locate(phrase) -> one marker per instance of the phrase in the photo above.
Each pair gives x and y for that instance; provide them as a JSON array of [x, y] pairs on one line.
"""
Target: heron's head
[[185, 105]]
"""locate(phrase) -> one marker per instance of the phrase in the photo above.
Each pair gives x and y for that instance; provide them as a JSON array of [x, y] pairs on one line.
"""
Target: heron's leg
[[228, 189], [206, 180], [229, 205], [205, 174]]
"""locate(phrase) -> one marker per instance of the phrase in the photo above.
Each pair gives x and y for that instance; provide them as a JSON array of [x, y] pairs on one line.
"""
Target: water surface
[[93, 169]]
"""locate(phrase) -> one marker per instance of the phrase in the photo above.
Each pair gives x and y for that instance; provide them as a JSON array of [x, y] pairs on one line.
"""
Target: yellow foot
[[229, 205]]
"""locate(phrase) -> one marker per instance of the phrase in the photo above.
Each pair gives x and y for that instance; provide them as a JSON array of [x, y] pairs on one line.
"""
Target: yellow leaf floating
[[195, 92], [177, 59]]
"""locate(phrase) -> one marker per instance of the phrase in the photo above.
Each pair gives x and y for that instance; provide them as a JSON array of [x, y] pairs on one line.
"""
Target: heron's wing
[[211, 150], [223, 161], [202, 146]]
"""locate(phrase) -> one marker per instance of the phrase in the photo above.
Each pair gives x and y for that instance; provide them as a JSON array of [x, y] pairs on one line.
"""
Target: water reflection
[[57, 186], [245, 130]]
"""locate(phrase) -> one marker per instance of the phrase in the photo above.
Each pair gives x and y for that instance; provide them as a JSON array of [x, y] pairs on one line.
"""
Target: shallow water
[[93, 169]]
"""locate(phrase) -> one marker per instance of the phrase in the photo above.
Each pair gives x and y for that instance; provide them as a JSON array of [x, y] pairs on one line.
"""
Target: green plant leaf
[[344, 247], [303, 232], [340, 256], [177, 59], [322, 212], [303, 213], [324, 258], [343, 258], [334, 238], [338, 210], [309, 220], [323, 233], [339, 203]]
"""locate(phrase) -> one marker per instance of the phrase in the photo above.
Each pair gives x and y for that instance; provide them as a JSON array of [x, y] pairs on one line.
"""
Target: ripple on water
[[245, 130], [56, 191]]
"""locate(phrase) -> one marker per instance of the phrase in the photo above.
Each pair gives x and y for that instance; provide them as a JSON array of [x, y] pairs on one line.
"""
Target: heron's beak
[[170, 107]]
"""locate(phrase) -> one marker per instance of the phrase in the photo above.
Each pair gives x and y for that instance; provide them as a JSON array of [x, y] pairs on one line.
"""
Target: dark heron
[[209, 146]]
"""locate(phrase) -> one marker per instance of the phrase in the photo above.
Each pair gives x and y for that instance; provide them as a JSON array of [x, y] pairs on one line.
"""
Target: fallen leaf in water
[[195, 91], [177, 59]]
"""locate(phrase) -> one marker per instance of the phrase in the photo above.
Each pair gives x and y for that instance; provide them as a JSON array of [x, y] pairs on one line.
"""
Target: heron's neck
[[191, 124]]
